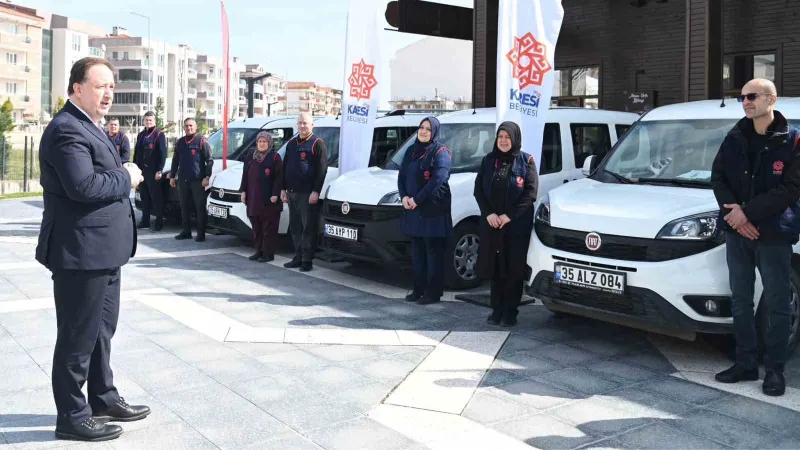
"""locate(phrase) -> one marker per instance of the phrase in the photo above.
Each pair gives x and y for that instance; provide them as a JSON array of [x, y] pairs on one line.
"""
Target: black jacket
[[769, 195], [151, 161], [88, 221]]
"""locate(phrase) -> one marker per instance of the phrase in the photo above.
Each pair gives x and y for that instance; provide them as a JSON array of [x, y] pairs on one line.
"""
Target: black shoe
[[293, 264], [158, 226], [88, 430], [143, 225], [306, 266], [122, 412], [508, 322], [493, 319], [200, 238], [412, 297], [774, 384], [736, 374], [255, 256], [428, 301], [266, 259], [184, 235]]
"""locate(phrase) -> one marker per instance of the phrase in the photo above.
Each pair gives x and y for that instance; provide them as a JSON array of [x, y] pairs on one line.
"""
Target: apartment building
[[210, 86], [437, 103], [307, 96], [267, 92], [21, 62]]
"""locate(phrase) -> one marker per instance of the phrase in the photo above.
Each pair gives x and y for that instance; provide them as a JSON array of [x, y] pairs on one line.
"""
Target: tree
[[59, 104], [6, 126], [200, 119], [160, 113]]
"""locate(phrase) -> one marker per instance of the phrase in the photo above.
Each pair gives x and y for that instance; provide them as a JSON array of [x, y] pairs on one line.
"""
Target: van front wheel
[[462, 257]]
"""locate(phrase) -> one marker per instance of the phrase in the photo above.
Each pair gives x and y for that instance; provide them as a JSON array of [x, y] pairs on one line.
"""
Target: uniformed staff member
[[151, 155], [505, 190], [261, 187], [191, 168], [304, 174], [425, 193], [120, 140]]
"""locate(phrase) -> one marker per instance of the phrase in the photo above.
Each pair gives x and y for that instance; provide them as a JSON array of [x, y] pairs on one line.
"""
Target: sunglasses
[[750, 97]]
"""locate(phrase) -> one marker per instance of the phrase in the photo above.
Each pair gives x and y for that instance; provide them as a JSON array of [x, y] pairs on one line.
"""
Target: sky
[[300, 40]]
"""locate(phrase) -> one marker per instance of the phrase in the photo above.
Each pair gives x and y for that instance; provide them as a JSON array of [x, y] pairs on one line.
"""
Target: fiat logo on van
[[345, 208], [593, 241]]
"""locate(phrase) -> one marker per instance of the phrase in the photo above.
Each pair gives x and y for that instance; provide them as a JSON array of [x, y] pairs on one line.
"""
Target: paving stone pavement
[[552, 382]]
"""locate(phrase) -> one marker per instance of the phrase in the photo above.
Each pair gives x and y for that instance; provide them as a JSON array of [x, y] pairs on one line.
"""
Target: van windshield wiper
[[619, 177], [675, 182]]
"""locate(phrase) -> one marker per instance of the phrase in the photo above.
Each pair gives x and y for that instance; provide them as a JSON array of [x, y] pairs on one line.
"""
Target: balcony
[[191, 112], [206, 95], [192, 92], [98, 52], [132, 85], [130, 63], [15, 42], [242, 99], [191, 72]]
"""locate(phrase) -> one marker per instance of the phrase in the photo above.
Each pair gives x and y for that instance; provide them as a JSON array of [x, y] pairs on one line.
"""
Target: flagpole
[[226, 68]]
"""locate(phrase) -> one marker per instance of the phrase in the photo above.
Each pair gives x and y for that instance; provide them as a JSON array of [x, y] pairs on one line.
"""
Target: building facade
[[307, 96], [267, 92], [437, 103], [449, 70], [21, 62]]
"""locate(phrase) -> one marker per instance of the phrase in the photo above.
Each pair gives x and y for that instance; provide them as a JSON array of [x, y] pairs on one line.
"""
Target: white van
[[227, 213], [241, 140], [636, 243], [363, 207]]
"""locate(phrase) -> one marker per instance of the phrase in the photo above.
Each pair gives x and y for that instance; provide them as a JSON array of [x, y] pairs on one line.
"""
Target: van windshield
[[237, 139], [677, 152], [468, 142]]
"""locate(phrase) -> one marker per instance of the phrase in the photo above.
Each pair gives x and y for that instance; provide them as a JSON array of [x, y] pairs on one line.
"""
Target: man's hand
[[313, 198], [494, 220], [205, 182], [504, 219], [158, 176], [405, 202], [273, 199], [244, 197], [135, 173], [173, 182], [736, 217], [748, 230], [412, 204], [284, 197]]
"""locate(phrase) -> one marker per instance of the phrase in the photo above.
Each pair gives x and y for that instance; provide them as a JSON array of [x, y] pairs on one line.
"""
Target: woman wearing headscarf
[[425, 193], [505, 189], [261, 189]]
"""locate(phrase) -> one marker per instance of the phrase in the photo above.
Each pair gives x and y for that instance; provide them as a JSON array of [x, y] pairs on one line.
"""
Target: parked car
[[637, 243], [241, 141], [226, 211], [362, 212]]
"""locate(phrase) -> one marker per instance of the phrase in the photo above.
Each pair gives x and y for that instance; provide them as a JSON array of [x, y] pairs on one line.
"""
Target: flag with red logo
[[527, 32], [361, 80], [225, 57]]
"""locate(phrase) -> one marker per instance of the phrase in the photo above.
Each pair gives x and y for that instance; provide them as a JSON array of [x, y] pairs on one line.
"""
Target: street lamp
[[149, 61]]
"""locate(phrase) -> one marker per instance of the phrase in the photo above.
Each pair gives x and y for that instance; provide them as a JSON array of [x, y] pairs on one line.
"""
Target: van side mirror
[[587, 166]]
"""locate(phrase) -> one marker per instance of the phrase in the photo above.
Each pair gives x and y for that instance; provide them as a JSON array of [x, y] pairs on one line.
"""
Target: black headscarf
[[420, 148], [514, 131]]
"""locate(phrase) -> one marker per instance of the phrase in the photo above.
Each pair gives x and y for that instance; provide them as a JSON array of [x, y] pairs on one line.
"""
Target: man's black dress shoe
[[736, 374], [774, 384], [122, 412], [88, 430]]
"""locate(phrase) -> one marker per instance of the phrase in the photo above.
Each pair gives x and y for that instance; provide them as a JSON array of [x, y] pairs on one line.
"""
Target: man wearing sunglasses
[[756, 181]]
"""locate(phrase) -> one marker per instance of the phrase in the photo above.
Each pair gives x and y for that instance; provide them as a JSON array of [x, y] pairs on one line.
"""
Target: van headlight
[[543, 211], [392, 198], [699, 227]]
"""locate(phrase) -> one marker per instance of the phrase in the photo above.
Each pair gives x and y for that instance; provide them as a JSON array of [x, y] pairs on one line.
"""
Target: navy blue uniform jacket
[[88, 220]]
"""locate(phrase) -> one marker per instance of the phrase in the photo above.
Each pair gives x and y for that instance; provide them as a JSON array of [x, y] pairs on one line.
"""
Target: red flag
[[226, 57]]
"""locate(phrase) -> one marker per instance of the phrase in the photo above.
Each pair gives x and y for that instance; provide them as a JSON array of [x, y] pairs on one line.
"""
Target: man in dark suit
[[88, 232], [120, 141], [151, 154]]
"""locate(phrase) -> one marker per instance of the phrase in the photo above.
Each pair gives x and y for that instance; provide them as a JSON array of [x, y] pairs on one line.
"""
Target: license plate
[[137, 196], [351, 234], [218, 211], [589, 278]]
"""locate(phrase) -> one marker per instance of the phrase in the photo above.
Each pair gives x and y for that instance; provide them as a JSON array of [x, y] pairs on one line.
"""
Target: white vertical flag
[[527, 32], [361, 75]]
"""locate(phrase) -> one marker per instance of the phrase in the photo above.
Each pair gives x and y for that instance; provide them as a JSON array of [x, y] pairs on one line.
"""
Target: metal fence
[[19, 167]]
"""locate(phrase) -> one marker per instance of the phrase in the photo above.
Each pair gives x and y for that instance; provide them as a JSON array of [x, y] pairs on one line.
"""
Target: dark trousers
[[265, 230], [87, 310], [303, 224], [152, 199], [192, 193], [427, 259], [774, 263], [506, 295]]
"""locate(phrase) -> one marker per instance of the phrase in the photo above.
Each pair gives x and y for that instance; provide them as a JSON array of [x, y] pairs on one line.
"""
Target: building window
[[161, 81], [160, 60], [13, 28], [219, 107], [11, 58], [115, 55], [76, 42], [219, 90], [11, 88], [739, 69], [577, 86], [124, 56]]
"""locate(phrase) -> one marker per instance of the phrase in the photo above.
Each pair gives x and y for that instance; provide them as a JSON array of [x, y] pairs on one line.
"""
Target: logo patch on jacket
[[194, 152], [303, 156], [118, 148], [777, 168], [427, 175], [150, 146], [267, 171], [520, 182]]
